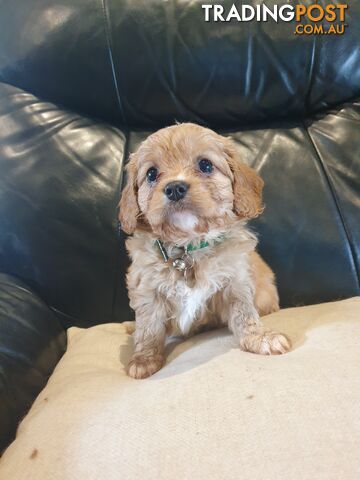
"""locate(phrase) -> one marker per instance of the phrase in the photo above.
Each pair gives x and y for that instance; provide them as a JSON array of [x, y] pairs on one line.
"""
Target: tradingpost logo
[[312, 19]]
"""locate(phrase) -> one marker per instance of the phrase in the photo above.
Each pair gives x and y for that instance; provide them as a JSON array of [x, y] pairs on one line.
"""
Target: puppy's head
[[184, 181]]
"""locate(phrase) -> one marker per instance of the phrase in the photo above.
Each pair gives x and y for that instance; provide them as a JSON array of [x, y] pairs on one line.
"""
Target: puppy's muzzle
[[175, 191]]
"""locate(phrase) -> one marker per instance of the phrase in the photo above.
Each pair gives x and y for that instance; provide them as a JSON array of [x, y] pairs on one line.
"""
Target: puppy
[[186, 202]]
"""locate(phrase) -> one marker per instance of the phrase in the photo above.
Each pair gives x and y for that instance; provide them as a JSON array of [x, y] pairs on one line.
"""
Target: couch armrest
[[31, 343]]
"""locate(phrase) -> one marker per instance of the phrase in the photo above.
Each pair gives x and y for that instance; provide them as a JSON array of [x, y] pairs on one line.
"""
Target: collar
[[190, 247]]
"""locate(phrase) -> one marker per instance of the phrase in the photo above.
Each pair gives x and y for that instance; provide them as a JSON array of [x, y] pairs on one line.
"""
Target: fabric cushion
[[213, 412]]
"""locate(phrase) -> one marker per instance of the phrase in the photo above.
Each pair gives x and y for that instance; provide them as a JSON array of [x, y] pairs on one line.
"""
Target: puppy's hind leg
[[266, 296]]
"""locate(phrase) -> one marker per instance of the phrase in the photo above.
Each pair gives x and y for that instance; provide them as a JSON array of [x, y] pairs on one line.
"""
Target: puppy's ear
[[247, 186], [128, 205]]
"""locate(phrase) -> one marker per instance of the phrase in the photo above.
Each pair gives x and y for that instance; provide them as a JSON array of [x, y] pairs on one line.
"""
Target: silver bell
[[179, 264]]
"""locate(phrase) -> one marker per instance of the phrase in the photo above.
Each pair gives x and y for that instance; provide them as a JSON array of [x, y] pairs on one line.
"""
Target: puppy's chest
[[188, 303]]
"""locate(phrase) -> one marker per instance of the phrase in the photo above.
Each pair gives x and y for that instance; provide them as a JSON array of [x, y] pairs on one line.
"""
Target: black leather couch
[[82, 83]]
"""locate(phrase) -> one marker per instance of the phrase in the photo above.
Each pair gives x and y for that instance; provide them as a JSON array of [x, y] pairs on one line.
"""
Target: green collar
[[189, 247]]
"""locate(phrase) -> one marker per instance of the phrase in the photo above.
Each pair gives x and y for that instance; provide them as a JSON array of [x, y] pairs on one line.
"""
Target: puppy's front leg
[[149, 339], [244, 322]]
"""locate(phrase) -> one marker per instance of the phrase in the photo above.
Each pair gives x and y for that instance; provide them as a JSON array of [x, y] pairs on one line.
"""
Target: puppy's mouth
[[183, 219], [181, 215]]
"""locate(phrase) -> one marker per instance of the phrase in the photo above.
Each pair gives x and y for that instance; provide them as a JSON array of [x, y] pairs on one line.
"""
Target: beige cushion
[[213, 412]]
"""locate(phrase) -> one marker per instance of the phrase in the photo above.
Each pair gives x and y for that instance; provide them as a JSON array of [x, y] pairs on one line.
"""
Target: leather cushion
[[145, 64], [32, 341]]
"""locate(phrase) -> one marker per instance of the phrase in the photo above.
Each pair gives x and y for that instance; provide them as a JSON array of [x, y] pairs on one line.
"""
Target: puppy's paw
[[142, 366], [265, 343], [129, 327]]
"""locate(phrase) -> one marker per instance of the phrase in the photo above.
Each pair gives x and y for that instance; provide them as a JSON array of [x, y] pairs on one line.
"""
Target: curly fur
[[230, 284]]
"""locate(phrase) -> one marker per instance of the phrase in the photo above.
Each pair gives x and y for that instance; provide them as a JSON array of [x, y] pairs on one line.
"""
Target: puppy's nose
[[176, 190]]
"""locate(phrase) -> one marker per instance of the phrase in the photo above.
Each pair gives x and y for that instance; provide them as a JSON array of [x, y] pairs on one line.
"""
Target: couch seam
[[336, 203], [311, 75], [111, 57], [33, 294]]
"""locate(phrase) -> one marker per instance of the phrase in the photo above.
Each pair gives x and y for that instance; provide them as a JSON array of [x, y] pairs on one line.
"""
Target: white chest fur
[[216, 274], [191, 303]]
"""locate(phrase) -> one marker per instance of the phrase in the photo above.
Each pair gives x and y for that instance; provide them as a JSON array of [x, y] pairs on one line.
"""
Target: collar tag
[[162, 250], [182, 264]]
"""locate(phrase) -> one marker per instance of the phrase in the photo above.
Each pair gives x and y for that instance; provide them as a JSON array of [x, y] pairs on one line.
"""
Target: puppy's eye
[[151, 174], [205, 165]]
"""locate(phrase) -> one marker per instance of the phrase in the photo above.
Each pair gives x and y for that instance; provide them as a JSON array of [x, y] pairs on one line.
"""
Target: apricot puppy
[[186, 202]]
